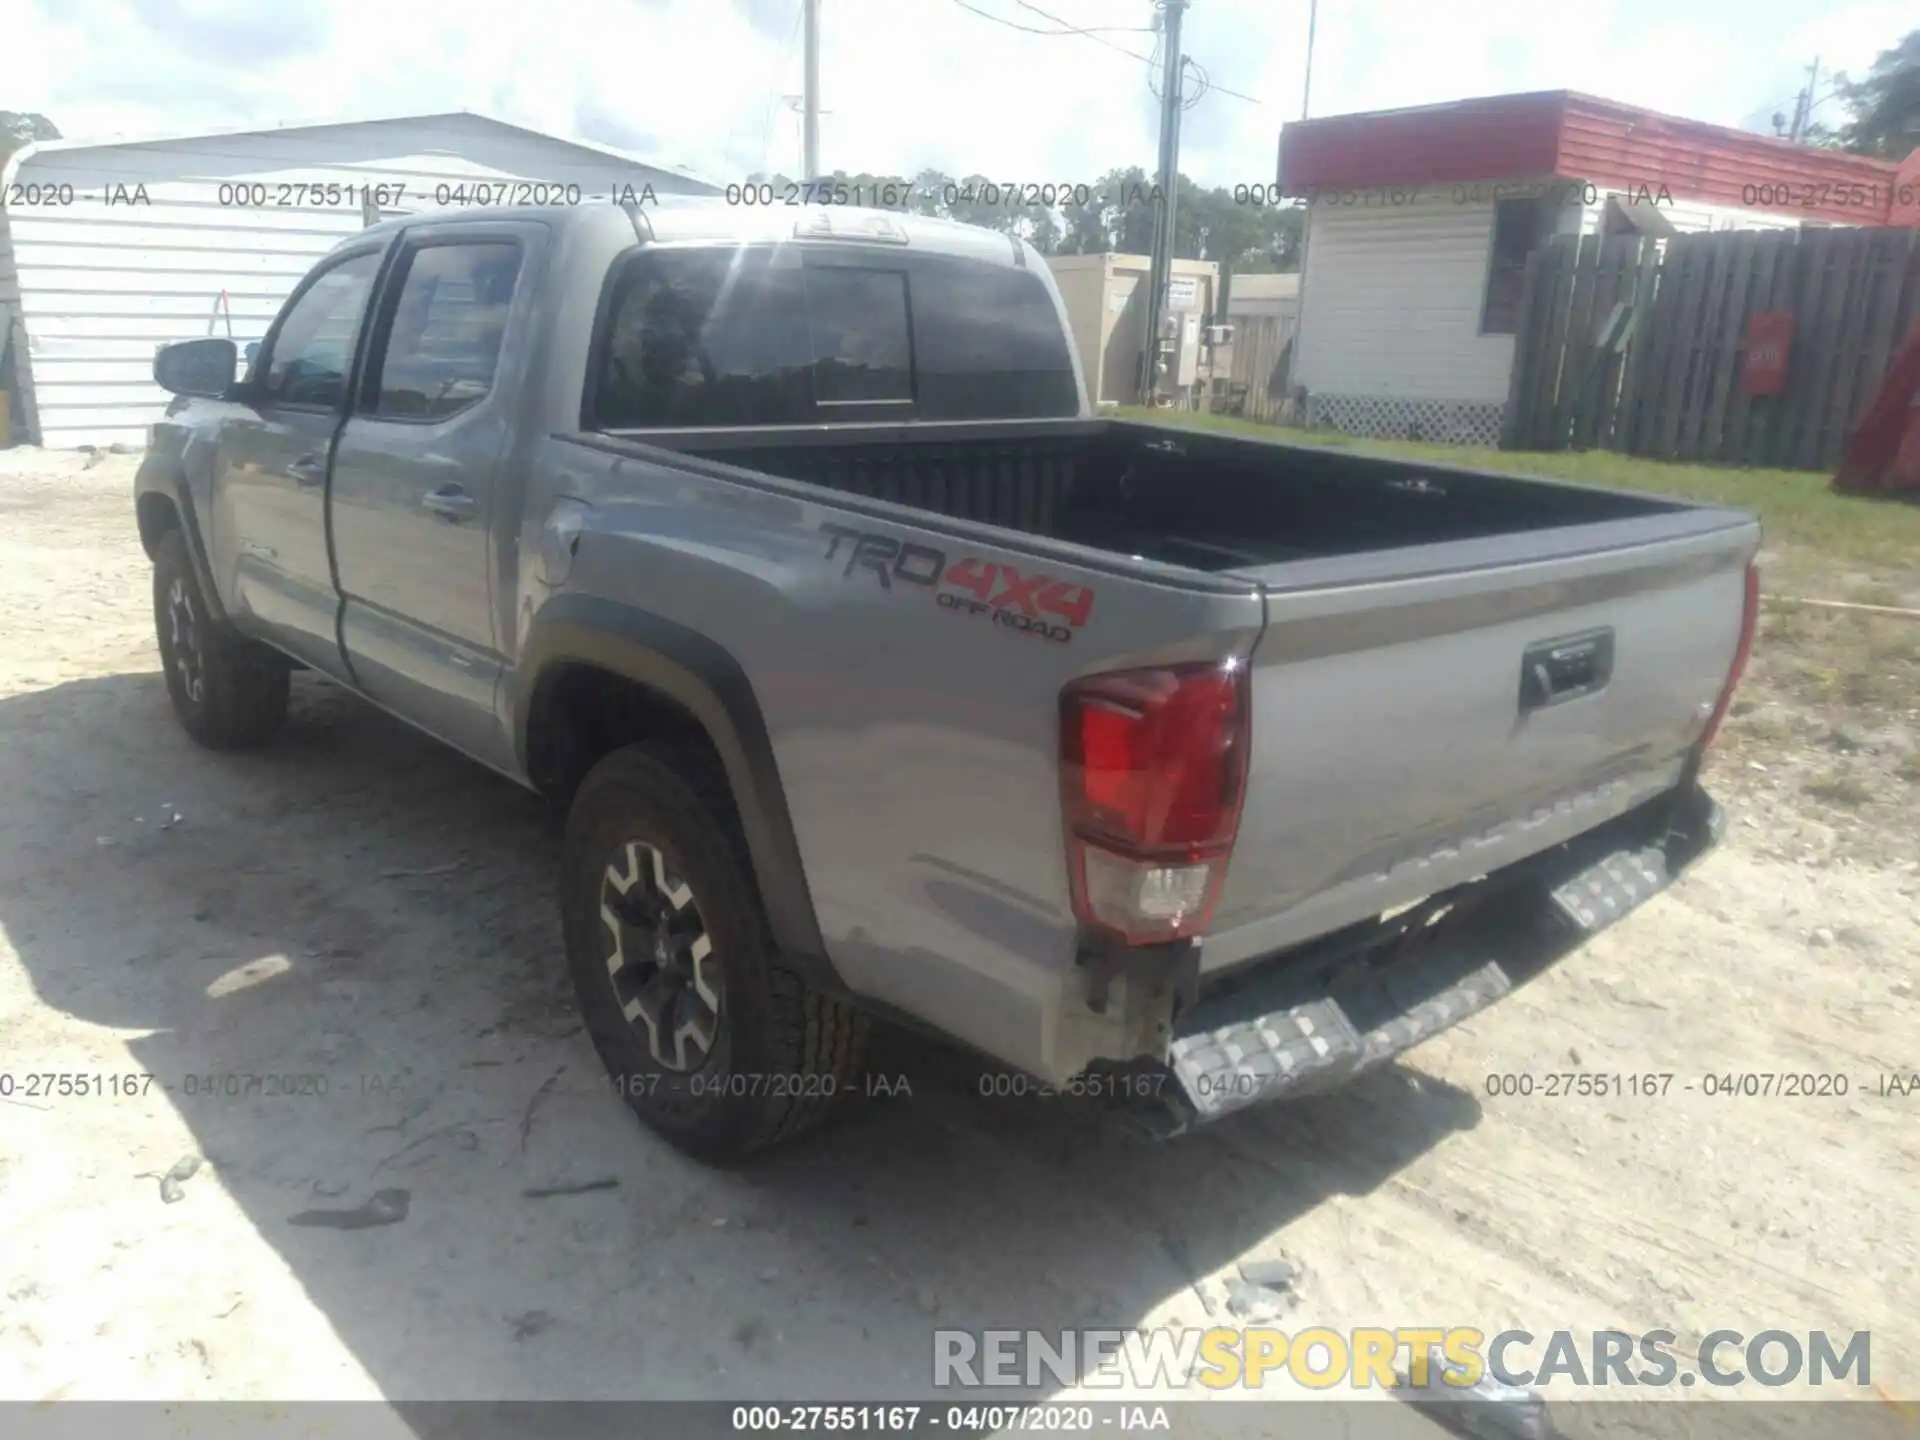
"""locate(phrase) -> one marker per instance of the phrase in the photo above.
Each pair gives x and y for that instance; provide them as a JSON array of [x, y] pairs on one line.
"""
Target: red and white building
[[1419, 223]]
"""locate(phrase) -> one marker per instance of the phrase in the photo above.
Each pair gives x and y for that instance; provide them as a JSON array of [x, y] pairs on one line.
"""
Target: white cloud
[[907, 83]]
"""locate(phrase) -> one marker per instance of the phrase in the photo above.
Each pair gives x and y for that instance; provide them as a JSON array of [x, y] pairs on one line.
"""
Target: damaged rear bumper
[[1316, 1021]]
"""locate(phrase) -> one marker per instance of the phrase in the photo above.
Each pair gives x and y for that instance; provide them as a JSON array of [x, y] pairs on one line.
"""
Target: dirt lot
[[358, 904]]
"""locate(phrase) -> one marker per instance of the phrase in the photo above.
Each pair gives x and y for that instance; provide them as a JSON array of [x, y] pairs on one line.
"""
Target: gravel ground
[[357, 904]]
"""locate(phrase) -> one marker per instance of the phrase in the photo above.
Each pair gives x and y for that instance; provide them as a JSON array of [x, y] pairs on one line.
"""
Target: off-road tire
[[229, 692], [781, 1054]]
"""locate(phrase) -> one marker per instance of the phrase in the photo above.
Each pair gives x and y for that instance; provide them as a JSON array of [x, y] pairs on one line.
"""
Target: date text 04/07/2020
[[1725, 1084], [903, 194]]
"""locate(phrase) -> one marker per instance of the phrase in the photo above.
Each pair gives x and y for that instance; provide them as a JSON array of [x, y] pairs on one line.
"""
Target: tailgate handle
[[1555, 671]]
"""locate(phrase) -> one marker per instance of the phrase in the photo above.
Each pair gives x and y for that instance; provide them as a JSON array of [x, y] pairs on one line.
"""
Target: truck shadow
[[345, 973]]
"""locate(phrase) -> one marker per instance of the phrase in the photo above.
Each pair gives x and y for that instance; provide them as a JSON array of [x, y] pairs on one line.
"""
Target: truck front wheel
[[229, 692], [711, 1038]]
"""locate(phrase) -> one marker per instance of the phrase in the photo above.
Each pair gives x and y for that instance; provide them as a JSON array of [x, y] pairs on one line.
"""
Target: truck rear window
[[797, 335]]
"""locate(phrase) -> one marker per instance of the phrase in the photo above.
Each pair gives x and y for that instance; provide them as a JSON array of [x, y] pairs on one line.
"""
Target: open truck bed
[[1412, 726], [1209, 502]]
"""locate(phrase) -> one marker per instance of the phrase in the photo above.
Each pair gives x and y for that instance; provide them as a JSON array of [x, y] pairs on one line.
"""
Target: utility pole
[[1160, 271], [1803, 103], [810, 100], [1306, 91]]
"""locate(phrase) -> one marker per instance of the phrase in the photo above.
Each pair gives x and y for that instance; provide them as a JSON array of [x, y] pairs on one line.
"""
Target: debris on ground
[[1264, 1289], [427, 873], [183, 1170], [571, 1187], [1485, 1410], [383, 1207], [533, 1103], [1488, 1409], [530, 1323], [1278, 1273], [1257, 1303]]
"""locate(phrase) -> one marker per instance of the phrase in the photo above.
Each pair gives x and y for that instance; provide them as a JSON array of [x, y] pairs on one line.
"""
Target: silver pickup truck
[[878, 678]]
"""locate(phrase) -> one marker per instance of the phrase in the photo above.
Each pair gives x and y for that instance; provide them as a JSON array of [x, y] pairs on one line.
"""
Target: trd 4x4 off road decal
[[1030, 602]]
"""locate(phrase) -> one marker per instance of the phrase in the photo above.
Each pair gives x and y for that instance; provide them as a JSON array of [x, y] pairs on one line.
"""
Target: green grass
[[1822, 540]]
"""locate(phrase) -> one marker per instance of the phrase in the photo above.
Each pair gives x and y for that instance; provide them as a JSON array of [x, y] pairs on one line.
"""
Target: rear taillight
[[1749, 621], [1153, 767]]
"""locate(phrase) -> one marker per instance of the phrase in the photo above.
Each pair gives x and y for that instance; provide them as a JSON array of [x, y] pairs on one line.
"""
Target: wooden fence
[[1260, 355], [1635, 344]]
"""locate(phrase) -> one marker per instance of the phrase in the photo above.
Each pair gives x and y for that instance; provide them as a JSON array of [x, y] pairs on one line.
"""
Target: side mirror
[[196, 367]]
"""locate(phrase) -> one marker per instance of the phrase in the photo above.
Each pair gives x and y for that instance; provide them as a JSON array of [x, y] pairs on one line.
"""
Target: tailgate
[[1427, 716]]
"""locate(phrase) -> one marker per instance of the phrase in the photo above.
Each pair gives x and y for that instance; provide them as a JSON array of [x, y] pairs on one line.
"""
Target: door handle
[[450, 503], [1555, 671], [307, 470]]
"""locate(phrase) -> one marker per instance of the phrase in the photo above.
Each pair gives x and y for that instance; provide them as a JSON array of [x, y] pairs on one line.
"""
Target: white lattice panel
[[1386, 417]]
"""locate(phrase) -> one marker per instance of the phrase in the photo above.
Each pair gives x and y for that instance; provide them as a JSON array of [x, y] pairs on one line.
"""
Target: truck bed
[[1214, 503], [1398, 745]]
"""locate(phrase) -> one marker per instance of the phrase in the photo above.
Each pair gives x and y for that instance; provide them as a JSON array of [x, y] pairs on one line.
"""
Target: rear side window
[[443, 341], [700, 339], [763, 336]]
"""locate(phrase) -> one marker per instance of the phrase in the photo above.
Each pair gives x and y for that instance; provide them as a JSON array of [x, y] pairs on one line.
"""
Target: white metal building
[[108, 250]]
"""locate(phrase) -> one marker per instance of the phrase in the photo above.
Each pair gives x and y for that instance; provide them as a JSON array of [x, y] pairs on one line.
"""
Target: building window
[[1518, 227]]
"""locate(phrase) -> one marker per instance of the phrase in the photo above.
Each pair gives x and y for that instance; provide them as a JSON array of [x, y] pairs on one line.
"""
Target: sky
[[905, 84]]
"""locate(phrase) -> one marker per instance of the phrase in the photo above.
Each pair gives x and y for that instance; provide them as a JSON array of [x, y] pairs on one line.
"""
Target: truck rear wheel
[[229, 692], [711, 1038]]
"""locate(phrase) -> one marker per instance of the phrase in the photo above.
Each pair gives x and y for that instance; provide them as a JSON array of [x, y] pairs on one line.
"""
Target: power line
[[1094, 33], [1064, 30], [1209, 86], [1087, 30]]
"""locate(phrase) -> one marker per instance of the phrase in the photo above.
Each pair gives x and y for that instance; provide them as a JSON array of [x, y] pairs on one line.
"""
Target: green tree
[[1118, 214], [1042, 231], [23, 127], [980, 201], [930, 189], [1883, 109]]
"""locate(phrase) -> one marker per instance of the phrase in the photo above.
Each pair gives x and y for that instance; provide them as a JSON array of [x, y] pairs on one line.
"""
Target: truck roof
[[691, 219]]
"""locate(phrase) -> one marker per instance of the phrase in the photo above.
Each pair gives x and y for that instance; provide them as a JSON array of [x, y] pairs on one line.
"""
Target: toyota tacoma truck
[[878, 678]]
